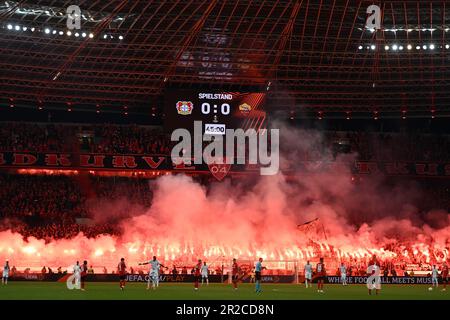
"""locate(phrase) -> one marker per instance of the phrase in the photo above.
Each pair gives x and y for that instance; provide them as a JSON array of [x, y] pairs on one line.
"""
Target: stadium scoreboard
[[217, 110]]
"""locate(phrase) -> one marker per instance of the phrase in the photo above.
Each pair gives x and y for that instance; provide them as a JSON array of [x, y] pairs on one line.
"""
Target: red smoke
[[257, 218]]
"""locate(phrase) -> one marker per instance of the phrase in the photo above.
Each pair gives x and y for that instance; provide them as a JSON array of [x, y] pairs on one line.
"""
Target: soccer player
[[434, 277], [321, 272], [204, 272], [235, 274], [308, 274], [343, 272], [84, 270], [258, 269], [444, 275], [77, 274], [122, 271], [153, 273], [374, 270], [197, 270], [5, 275]]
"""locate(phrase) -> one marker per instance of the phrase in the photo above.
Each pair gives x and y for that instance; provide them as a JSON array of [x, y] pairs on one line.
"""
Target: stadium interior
[[364, 128]]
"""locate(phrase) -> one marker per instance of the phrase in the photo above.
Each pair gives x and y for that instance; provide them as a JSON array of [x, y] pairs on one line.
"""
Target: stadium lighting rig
[[57, 32], [400, 47], [408, 30]]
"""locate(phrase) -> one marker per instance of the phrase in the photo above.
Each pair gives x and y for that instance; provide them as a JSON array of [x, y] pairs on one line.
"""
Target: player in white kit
[[5, 275], [204, 273], [153, 273], [434, 277], [77, 274], [308, 274], [343, 272]]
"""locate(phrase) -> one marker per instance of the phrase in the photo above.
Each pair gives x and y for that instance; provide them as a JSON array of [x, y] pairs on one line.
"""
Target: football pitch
[[137, 291]]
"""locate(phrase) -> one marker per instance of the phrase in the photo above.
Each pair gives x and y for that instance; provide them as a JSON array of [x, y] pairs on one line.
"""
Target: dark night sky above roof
[[308, 50]]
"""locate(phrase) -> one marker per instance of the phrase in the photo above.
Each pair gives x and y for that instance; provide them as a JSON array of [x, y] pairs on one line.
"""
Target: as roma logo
[[245, 108], [185, 107], [219, 170]]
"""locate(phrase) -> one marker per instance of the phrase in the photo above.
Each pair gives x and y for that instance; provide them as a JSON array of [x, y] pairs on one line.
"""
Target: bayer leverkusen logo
[[185, 107], [219, 170]]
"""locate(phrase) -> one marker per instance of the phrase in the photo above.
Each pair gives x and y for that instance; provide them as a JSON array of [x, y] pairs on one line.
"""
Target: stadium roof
[[311, 55]]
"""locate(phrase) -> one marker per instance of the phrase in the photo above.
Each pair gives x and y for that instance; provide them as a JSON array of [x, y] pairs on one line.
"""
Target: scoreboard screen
[[218, 110]]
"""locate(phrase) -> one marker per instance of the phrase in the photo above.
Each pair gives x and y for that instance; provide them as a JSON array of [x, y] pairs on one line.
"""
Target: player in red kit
[[197, 271], [235, 274], [122, 271], [444, 275], [321, 273], [84, 269]]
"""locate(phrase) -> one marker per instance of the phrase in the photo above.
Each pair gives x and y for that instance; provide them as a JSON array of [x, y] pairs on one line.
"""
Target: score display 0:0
[[225, 108]]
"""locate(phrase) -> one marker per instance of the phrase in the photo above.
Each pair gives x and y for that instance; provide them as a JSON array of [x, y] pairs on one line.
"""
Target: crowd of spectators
[[129, 140], [135, 191], [105, 138], [437, 195], [133, 139], [61, 206], [55, 207], [28, 137], [51, 231], [49, 206], [36, 198], [386, 147]]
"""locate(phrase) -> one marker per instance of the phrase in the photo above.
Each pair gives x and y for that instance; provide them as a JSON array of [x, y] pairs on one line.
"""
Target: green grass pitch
[[137, 291]]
